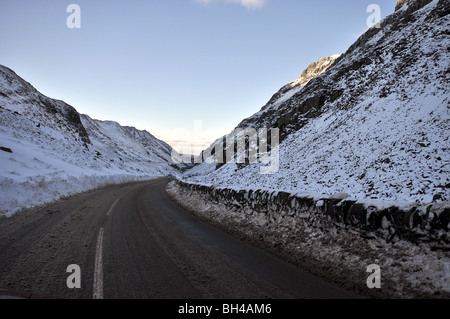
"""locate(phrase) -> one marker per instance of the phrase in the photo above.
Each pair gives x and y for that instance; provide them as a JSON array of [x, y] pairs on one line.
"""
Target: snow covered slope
[[127, 148], [50, 151], [19, 96], [375, 125], [288, 91]]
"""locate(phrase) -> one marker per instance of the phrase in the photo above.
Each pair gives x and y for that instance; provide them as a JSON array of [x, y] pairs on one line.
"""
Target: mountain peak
[[315, 69], [289, 90], [413, 5]]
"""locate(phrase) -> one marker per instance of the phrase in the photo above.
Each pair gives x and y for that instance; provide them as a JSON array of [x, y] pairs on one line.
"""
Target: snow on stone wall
[[429, 223]]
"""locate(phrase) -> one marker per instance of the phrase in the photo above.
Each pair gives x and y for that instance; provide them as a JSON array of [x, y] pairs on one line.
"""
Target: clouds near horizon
[[249, 4]]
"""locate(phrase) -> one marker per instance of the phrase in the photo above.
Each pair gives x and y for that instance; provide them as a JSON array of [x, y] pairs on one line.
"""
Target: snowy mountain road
[[133, 241]]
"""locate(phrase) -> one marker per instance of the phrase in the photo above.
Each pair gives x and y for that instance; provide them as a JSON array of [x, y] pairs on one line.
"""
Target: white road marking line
[[98, 270], [112, 207]]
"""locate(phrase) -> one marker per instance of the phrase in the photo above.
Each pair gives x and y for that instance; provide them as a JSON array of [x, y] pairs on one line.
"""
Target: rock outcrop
[[411, 5], [19, 95]]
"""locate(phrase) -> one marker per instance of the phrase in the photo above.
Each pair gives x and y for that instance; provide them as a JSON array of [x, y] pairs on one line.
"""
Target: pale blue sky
[[160, 65]]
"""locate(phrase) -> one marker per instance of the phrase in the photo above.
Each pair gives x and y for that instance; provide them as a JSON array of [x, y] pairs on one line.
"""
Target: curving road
[[133, 241]]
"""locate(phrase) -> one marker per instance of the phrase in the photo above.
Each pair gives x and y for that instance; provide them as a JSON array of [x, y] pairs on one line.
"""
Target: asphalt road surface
[[133, 241]]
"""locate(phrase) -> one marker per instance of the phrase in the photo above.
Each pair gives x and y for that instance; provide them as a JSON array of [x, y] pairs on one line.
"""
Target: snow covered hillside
[[278, 99], [374, 126], [50, 151], [128, 148]]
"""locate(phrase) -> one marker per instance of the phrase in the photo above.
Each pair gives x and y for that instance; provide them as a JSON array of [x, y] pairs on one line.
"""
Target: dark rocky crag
[[40, 107]]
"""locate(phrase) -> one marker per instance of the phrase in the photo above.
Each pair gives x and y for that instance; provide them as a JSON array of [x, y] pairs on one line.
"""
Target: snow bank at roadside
[[43, 189]]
